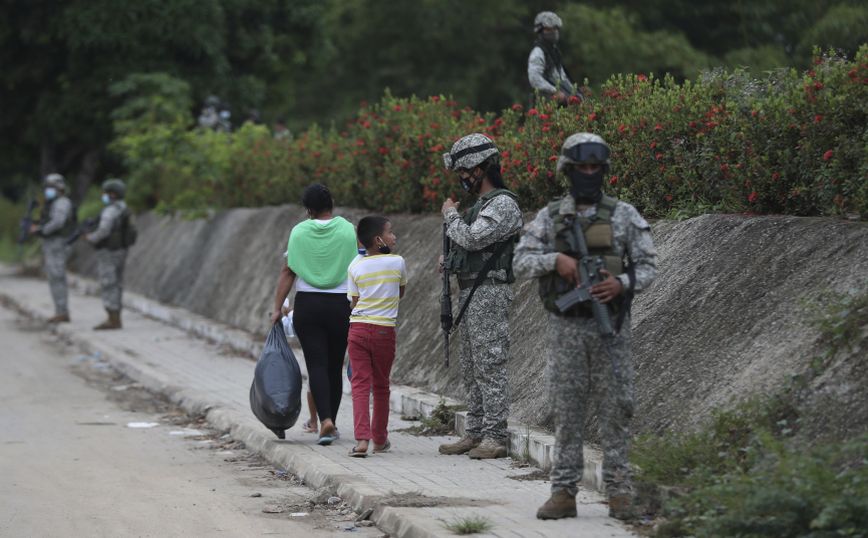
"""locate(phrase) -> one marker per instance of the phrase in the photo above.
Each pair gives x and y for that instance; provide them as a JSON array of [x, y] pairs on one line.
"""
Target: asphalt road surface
[[73, 463]]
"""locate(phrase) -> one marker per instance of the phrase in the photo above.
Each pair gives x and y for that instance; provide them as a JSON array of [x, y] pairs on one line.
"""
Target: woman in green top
[[317, 256]]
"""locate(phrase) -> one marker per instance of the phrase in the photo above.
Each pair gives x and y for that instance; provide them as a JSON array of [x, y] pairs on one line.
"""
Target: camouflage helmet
[[55, 180], [584, 148], [546, 19], [116, 186], [469, 152]]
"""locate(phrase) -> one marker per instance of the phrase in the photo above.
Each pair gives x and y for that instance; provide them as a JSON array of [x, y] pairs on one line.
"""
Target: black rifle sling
[[482, 275]]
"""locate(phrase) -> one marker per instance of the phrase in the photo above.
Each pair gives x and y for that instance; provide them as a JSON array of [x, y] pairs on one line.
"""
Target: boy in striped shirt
[[375, 286]]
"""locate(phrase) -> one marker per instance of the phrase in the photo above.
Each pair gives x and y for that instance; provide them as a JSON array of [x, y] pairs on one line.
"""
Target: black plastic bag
[[275, 395]]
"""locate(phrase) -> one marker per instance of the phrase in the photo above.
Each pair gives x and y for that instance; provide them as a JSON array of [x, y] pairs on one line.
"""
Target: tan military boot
[[560, 505], [113, 321], [488, 449], [59, 318], [465, 444], [621, 507]]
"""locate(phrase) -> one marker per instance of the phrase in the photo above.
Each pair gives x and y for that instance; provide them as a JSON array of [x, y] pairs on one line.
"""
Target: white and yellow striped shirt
[[376, 281]]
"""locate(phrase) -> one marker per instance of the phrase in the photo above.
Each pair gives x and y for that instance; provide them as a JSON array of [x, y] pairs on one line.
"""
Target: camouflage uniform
[[57, 220], [110, 263], [578, 368], [485, 338]]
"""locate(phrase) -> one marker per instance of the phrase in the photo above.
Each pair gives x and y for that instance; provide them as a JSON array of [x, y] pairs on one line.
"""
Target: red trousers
[[372, 352]]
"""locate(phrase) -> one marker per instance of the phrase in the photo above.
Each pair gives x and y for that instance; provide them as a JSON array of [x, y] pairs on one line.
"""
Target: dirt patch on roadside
[[417, 500]]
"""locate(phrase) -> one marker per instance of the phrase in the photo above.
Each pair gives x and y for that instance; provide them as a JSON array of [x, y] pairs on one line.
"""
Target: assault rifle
[[26, 222], [589, 272], [86, 227], [446, 298]]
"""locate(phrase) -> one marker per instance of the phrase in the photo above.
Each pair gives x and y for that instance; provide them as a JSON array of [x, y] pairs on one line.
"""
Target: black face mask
[[551, 37], [471, 184], [586, 188]]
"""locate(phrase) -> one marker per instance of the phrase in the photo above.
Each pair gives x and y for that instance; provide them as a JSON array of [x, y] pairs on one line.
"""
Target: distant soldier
[[545, 68], [483, 240], [209, 118], [57, 222], [112, 237], [583, 367]]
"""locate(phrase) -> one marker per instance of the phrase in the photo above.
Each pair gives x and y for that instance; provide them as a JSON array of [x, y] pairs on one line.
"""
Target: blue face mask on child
[[106, 199], [50, 193]]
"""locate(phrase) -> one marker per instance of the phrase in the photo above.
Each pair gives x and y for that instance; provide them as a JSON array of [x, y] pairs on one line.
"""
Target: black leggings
[[322, 321]]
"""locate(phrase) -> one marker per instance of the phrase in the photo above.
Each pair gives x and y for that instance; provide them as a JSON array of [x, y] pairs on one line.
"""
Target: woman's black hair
[[492, 170], [317, 198]]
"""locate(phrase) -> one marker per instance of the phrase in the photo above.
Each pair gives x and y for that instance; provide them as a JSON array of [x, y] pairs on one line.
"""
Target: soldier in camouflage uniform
[[545, 69], [56, 224], [485, 231], [111, 251], [582, 367]]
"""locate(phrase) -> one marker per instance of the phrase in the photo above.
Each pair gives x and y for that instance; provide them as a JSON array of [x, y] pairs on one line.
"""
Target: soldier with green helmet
[[481, 256], [57, 222], [585, 370], [112, 237]]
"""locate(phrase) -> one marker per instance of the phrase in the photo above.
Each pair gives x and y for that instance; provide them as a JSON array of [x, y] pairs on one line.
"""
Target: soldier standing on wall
[[481, 257], [545, 68], [114, 234], [57, 222], [583, 366]]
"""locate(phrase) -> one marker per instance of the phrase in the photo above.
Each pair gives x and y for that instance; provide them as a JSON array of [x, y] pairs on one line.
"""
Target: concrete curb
[[533, 445]]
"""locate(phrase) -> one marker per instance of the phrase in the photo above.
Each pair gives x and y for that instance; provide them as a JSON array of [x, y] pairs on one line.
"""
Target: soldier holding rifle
[[591, 253], [482, 241], [57, 221]]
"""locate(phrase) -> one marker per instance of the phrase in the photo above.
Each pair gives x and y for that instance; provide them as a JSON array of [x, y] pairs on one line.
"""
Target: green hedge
[[788, 142]]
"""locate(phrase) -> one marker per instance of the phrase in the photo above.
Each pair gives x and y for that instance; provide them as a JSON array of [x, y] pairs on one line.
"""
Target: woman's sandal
[[328, 438], [306, 427], [383, 449], [354, 453]]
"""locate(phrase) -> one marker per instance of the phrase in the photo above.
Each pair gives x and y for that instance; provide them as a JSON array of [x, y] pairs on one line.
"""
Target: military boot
[[59, 318], [113, 321], [465, 444], [621, 507], [561, 504], [488, 449]]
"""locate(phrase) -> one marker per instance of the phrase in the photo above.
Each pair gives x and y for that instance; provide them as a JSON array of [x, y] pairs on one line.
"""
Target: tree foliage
[[315, 61]]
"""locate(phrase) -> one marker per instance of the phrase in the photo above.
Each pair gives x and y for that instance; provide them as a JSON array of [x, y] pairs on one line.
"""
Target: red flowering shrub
[[792, 143]]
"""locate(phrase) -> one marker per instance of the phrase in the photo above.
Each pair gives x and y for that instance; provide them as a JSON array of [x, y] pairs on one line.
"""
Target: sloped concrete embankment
[[725, 319]]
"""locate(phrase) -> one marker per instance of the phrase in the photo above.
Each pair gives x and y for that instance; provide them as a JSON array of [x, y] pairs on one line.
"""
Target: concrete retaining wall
[[724, 320]]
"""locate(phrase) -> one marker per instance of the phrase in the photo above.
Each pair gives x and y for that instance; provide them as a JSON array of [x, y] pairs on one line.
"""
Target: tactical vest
[[601, 242], [117, 238], [68, 227], [462, 261]]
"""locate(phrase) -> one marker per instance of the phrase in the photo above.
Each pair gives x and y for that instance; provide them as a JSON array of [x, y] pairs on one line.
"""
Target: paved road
[[71, 466], [413, 490]]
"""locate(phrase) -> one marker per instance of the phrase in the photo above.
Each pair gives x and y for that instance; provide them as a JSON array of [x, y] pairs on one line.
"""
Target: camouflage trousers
[[484, 336], [110, 269], [55, 253], [582, 382]]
